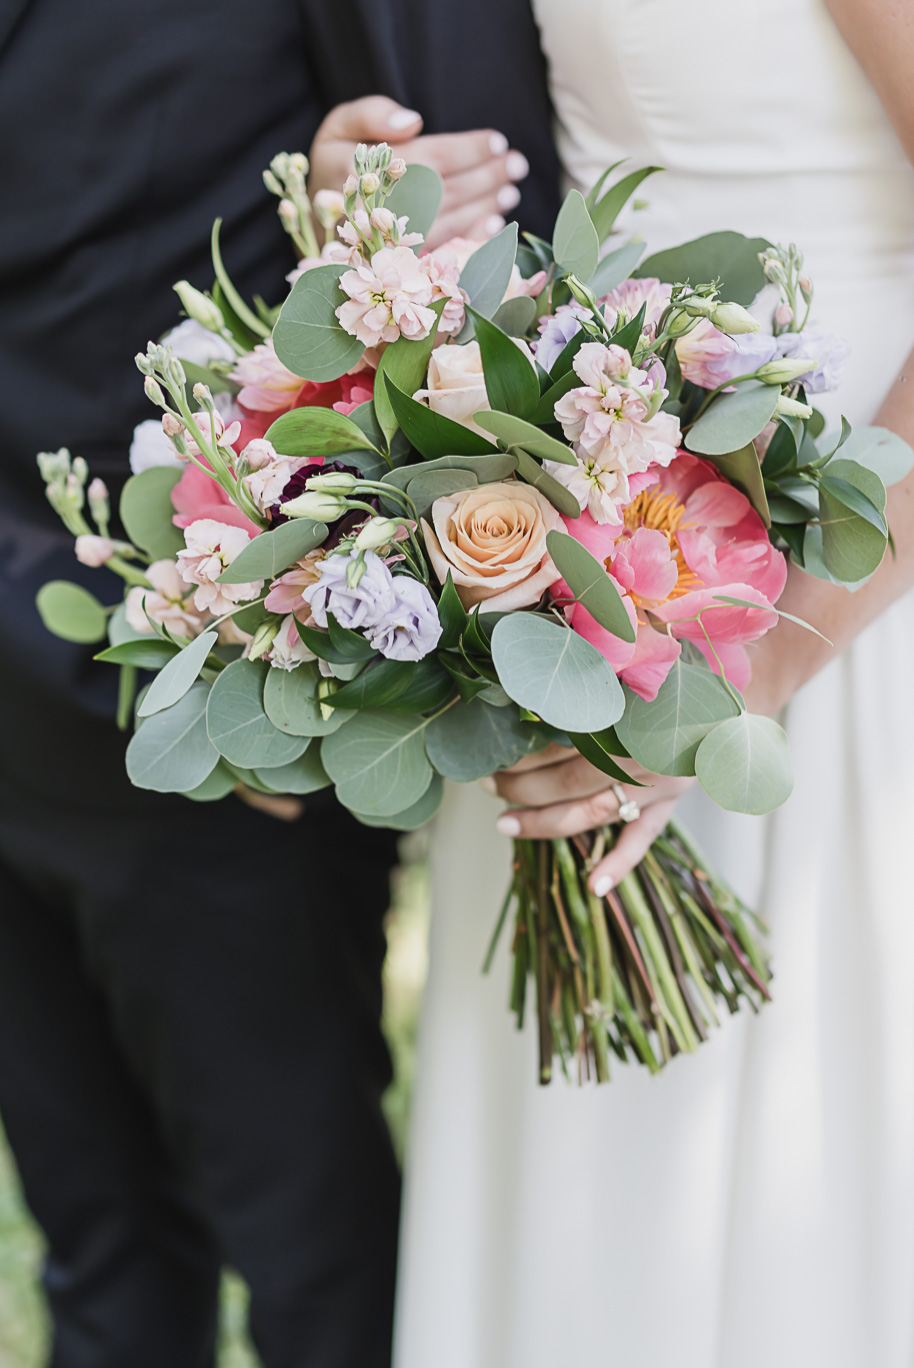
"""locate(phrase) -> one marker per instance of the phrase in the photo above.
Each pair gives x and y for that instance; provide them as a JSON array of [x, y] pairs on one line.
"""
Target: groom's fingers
[[374, 118]]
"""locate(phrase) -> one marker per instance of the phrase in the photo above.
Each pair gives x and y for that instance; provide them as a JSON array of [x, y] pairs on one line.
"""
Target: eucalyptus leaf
[[487, 469], [881, 451], [575, 244], [148, 653], [513, 431], [418, 196], [866, 481], [415, 816], [171, 752], [237, 724], [744, 764], [378, 763], [728, 255], [664, 735], [176, 677], [607, 209], [218, 784], [741, 468], [486, 275], [556, 674], [71, 612], [269, 553], [561, 498], [308, 338], [732, 420], [852, 546], [430, 485], [590, 584], [304, 775], [615, 267], [515, 316], [474, 739], [312, 431], [291, 703], [146, 511]]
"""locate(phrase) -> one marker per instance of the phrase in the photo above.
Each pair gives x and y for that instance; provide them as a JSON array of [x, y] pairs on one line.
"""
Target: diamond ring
[[629, 811]]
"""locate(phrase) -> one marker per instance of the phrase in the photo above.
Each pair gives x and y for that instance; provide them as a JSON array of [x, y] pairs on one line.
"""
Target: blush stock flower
[[211, 547], [388, 298], [168, 602]]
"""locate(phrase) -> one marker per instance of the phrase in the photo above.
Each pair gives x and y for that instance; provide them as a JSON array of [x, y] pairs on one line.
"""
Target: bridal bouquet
[[444, 508]]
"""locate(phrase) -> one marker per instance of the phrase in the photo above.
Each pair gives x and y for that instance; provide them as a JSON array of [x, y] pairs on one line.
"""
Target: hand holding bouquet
[[444, 509]]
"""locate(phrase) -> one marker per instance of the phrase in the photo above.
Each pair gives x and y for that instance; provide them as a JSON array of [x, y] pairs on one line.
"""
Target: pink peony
[[211, 548], [686, 539], [197, 495], [168, 602], [388, 298]]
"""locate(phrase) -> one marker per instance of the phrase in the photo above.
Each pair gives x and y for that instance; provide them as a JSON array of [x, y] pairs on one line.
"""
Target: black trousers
[[191, 1069]]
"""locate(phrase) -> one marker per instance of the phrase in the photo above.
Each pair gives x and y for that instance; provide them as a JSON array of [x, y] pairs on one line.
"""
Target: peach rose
[[493, 541], [456, 384]]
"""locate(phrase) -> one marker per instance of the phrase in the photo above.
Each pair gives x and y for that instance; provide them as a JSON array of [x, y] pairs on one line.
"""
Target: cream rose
[[492, 540], [456, 384]]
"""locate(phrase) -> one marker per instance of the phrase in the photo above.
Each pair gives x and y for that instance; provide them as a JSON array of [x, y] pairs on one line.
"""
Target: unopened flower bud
[[376, 532], [383, 221], [154, 391], [783, 369], [581, 293], [94, 551], [263, 638], [80, 469], [54, 465], [320, 507], [336, 482], [198, 307], [288, 212], [99, 503], [326, 688], [783, 316], [299, 164], [272, 183], [697, 306], [369, 184], [143, 364], [397, 169], [174, 371], [792, 408], [733, 319], [171, 426], [203, 395], [806, 289], [350, 186]]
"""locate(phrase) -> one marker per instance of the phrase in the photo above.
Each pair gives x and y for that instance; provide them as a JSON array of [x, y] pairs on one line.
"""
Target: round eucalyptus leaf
[[744, 764], [177, 675], [238, 726], [664, 735], [304, 775], [378, 763], [308, 337], [732, 420], [415, 816], [218, 785], [171, 752], [290, 702], [71, 612], [474, 739], [878, 449], [146, 511], [556, 674]]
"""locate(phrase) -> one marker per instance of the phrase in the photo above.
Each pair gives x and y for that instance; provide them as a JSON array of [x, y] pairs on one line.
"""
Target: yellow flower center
[[664, 513]]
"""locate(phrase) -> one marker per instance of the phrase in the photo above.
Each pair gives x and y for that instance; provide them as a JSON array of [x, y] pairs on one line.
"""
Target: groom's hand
[[478, 168]]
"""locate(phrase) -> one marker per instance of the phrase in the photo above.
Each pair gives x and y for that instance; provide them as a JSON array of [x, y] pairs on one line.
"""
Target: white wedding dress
[[754, 1204]]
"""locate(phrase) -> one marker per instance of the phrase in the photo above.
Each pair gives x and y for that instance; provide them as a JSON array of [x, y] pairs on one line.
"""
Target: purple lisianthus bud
[[556, 332], [830, 352], [367, 604], [412, 629]]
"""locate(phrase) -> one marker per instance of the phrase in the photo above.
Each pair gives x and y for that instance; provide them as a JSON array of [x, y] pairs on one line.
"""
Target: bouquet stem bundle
[[642, 972]]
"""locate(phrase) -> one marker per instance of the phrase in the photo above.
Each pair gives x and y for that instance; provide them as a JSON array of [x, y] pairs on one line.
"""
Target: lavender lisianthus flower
[[412, 630], [556, 332], [368, 604], [747, 352], [829, 351]]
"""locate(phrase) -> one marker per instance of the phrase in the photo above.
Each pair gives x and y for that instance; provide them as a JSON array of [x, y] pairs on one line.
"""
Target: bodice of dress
[[765, 123]]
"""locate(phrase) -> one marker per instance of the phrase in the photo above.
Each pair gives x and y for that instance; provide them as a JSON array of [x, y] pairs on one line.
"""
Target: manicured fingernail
[[602, 886], [489, 784], [508, 197], [494, 224], [402, 118], [517, 166], [508, 825], [498, 144]]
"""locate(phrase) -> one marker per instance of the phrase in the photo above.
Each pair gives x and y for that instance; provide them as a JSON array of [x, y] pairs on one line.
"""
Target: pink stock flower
[[687, 539], [93, 550], [225, 436], [285, 594], [266, 384], [270, 472], [288, 651], [197, 495], [443, 270], [332, 254], [628, 297], [211, 548], [388, 298], [168, 602]]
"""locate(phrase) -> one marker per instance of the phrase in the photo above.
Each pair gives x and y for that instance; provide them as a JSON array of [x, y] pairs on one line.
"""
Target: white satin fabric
[[753, 1205]]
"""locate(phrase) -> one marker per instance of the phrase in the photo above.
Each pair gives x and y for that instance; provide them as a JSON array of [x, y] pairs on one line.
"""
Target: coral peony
[[197, 495]]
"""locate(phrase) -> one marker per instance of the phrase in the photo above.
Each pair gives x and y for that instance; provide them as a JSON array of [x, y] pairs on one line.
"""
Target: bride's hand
[[478, 168], [559, 793]]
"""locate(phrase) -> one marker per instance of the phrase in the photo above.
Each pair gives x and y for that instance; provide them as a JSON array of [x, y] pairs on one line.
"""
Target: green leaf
[[70, 611], [867, 482], [590, 584], [664, 735], [378, 763], [744, 764], [237, 724], [418, 196], [781, 453], [606, 210], [340, 647], [727, 255], [150, 653], [555, 673], [405, 362], [432, 434], [219, 784], [589, 746], [304, 775], [451, 614], [852, 497], [561, 498], [248, 619], [171, 752], [487, 469], [415, 816], [881, 451], [469, 686], [473, 739], [741, 468], [269, 553], [176, 677], [514, 431], [430, 485], [545, 409], [852, 545], [615, 267], [146, 512], [290, 702], [315, 432], [511, 382], [575, 244], [515, 316], [202, 375], [413, 686], [732, 420], [486, 275], [308, 338]]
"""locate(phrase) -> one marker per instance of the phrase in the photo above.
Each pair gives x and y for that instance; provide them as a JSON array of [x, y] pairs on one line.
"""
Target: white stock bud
[[783, 316], [94, 551], [377, 532], [154, 391], [198, 307], [171, 426], [263, 638], [369, 184], [336, 482], [99, 503], [288, 212], [320, 507], [792, 408], [397, 169], [383, 221], [54, 465], [733, 319], [350, 186]]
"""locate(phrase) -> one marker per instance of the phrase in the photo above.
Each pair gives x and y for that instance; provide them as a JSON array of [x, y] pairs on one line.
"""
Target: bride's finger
[[560, 819], [552, 755], [635, 839], [550, 784]]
